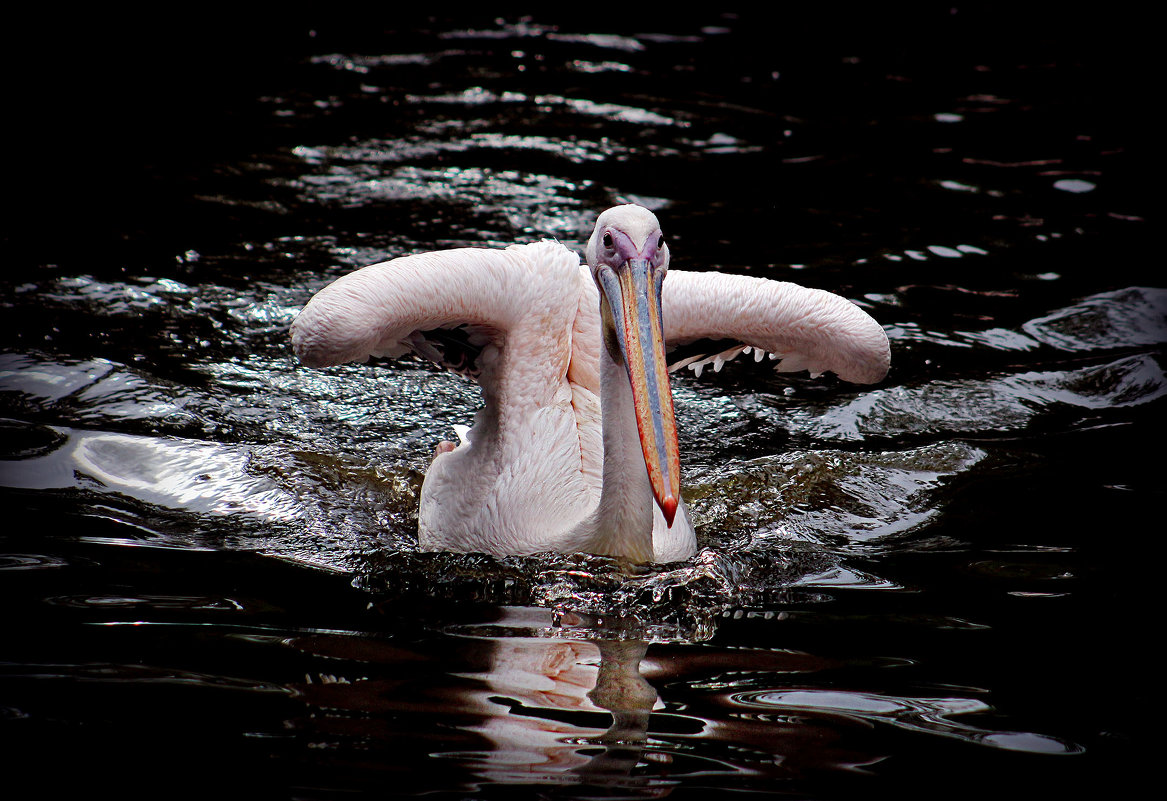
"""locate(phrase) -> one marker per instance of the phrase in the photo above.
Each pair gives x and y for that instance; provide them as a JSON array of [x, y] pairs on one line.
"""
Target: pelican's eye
[[608, 241], [660, 243]]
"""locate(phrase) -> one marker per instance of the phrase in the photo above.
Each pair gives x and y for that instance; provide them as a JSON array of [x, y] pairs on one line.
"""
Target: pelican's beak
[[632, 312]]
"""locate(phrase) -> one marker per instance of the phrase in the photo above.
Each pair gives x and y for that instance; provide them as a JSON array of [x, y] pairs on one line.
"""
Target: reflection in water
[[543, 710], [554, 700], [547, 701]]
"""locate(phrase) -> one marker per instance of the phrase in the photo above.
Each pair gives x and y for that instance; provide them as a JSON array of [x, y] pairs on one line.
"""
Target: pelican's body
[[563, 455]]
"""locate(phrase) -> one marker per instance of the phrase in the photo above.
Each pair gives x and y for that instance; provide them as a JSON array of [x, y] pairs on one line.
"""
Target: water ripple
[[152, 602], [924, 715], [1130, 317], [993, 405], [30, 561]]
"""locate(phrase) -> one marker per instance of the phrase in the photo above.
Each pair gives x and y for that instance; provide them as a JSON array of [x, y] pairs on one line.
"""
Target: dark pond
[[936, 585]]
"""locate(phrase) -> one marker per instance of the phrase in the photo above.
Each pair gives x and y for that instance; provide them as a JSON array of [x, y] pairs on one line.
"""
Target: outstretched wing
[[456, 308], [712, 317]]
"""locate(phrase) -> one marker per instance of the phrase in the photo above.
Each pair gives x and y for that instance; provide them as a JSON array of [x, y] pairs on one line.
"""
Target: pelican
[[575, 448]]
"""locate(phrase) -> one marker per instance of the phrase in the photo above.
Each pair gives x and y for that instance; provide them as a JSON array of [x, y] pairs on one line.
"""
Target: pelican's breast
[[531, 467]]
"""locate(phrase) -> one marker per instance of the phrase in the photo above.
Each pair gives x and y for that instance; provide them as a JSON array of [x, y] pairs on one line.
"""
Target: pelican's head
[[627, 232], [629, 258]]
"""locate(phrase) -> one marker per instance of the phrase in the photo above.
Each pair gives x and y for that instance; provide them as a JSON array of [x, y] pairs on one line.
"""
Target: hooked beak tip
[[669, 507]]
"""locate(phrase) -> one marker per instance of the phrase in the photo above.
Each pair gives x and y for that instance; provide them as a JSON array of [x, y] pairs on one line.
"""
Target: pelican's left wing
[[806, 329], [453, 307]]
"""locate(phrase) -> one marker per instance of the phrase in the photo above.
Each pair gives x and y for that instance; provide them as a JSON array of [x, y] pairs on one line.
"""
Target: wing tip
[[316, 345], [871, 360]]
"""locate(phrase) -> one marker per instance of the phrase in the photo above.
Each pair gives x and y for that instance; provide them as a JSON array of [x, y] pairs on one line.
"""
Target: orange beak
[[633, 299]]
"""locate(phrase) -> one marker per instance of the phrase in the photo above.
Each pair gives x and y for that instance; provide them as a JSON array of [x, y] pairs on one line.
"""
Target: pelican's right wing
[[449, 306], [807, 329]]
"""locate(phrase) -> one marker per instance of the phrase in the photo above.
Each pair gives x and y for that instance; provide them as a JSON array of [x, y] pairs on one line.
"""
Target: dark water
[[938, 586]]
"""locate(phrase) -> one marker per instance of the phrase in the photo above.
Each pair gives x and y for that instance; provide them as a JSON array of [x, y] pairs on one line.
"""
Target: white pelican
[[575, 449]]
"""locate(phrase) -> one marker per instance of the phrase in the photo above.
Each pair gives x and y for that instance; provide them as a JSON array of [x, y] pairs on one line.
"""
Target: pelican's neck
[[623, 519]]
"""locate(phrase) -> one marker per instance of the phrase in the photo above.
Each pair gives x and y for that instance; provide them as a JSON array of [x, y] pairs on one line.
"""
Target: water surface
[[939, 583]]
